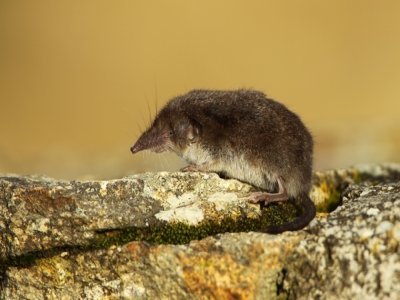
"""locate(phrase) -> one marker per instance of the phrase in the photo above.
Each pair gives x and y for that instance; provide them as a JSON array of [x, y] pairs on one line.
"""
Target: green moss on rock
[[182, 233]]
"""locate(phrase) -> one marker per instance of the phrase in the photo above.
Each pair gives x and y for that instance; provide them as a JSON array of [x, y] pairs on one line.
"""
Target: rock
[[58, 239], [242, 265], [41, 213], [354, 252]]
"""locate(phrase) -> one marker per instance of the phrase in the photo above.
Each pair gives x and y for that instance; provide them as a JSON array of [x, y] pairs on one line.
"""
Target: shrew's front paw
[[190, 168]]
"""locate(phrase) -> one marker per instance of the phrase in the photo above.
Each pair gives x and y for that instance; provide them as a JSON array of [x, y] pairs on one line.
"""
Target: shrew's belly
[[242, 170]]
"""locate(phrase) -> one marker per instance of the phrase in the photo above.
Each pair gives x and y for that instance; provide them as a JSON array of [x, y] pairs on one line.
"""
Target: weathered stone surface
[[352, 252], [228, 266], [43, 213]]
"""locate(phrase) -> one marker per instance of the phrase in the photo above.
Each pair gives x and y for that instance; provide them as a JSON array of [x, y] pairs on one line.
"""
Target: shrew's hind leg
[[265, 197]]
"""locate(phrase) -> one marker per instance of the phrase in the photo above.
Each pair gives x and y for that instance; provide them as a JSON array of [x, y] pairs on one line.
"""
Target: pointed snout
[[139, 145], [135, 149], [149, 140]]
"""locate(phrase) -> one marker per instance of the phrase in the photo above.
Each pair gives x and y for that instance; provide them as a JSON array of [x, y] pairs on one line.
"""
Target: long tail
[[308, 213]]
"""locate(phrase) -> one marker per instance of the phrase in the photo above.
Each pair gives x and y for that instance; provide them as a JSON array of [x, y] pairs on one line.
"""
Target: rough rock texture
[[43, 213], [229, 266], [352, 252]]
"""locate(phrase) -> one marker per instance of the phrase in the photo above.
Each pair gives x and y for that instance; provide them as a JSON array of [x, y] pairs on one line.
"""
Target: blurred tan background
[[79, 78]]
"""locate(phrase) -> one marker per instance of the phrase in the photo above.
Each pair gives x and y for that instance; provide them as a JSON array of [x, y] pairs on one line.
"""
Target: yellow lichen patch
[[217, 277], [57, 269], [210, 272], [322, 215], [325, 195], [394, 237]]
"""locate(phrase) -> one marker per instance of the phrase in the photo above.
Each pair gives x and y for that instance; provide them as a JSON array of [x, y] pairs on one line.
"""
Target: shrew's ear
[[194, 131]]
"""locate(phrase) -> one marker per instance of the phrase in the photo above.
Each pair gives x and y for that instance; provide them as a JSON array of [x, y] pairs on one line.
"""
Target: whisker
[[156, 95], [148, 109], [139, 127], [143, 120]]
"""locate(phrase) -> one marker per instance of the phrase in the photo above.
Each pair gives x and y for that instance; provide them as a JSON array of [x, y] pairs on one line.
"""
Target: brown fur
[[241, 133]]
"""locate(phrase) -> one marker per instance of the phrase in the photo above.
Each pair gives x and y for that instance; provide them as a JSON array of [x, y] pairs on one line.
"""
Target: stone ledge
[[350, 252]]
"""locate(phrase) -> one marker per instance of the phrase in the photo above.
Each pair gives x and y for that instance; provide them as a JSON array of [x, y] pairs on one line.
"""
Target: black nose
[[132, 149]]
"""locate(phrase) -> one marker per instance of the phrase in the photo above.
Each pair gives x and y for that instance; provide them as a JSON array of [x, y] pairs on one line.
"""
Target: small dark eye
[[170, 133]]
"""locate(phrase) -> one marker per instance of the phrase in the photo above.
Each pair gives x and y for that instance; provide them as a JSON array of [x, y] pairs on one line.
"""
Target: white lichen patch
[[365, 192], [131, 290], [93, 291], [365, 233], [185, 199], [163, 174], [372, 211], [378, 170], [103, 188], [383, 227], [41, 225], [389, 270], [191, 215], [233, 185], [222, 200], [395, 233]]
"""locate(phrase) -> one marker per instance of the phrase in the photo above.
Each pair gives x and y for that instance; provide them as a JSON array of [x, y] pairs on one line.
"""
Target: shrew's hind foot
[[265, 197]]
